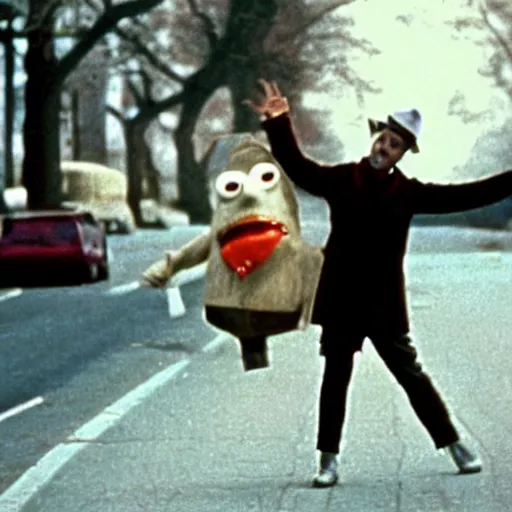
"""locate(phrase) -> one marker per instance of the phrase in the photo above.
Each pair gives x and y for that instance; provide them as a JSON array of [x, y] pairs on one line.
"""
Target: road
[[81, 349]]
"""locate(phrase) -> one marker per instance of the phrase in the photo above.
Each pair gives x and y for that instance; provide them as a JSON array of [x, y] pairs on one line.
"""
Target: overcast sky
[[420, 66]]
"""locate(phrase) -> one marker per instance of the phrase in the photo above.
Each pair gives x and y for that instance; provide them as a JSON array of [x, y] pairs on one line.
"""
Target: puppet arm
[[434, 198], [192, 253]]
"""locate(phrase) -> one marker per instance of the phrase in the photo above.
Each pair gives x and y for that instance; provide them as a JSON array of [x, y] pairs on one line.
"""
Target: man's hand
[[272, 104], [158, 274]]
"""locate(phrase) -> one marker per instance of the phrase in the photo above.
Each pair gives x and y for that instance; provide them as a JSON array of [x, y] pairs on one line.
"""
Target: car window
[[65, 231], [41, 232]]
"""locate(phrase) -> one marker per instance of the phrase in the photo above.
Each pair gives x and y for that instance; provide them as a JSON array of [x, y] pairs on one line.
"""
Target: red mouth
[[250, 225], [249, 242]]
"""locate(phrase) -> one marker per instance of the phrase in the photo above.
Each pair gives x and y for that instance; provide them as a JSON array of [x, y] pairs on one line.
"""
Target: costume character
[[261, 276]]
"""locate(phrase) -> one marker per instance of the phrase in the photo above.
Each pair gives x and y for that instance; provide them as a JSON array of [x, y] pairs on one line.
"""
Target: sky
[[421, 66]]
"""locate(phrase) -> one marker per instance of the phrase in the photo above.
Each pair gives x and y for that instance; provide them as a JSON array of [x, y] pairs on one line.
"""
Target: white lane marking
[[175, 304], [181, 278], [21, 408], [123, 288], [11, 294], [216, 342], [22, 490]]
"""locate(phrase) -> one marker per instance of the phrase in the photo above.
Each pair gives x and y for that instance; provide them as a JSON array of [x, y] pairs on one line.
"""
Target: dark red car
[[51, 248]]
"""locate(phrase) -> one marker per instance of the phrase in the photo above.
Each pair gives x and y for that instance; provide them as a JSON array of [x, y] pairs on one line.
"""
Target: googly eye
[[265, 174], [230, 183]]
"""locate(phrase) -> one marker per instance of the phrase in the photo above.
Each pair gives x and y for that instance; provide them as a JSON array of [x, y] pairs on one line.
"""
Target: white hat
[[405, 123]]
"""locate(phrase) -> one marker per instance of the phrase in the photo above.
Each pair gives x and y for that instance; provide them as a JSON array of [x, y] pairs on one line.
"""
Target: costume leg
[[339, 353], [400, 357], [254, 352]]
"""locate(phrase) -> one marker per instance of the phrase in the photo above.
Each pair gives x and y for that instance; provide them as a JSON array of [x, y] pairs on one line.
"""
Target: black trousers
[[400, 357]]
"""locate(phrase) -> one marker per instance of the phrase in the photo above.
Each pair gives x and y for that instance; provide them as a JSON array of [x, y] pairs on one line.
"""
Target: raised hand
[[272, 103]]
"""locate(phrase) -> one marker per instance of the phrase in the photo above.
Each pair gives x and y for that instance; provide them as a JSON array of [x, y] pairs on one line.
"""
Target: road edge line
[[11, 294], [36, 477], [18, 409]]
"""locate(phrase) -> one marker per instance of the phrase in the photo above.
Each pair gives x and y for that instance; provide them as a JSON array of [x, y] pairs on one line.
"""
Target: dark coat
[[362, 286]]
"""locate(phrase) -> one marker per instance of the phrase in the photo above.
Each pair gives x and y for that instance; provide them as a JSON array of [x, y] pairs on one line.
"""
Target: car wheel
[[92, 272], [103, 272]]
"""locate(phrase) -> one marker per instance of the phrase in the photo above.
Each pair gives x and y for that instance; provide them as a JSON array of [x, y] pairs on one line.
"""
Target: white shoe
[[327, 475], [466, 461]]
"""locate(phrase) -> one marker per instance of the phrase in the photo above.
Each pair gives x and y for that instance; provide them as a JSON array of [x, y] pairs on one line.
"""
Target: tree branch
[[115, 113], [146, 86], [137, 96], [158, 107], [150, 56], [321, 14], [501, 40], [208, 25], [313, 20], [44, 16], [104, 24]]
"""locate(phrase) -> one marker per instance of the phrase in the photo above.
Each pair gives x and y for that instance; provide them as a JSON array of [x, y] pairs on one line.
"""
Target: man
[[362, 290]]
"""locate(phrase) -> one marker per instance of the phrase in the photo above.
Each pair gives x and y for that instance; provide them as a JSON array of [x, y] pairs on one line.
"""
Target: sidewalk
[[214, 438]]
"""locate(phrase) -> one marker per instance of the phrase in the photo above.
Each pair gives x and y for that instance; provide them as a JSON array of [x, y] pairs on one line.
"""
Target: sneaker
[[464, 459], [327, 475]]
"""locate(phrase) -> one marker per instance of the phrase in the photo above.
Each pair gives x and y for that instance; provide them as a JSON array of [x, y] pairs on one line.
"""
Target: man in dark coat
[[362, 287]]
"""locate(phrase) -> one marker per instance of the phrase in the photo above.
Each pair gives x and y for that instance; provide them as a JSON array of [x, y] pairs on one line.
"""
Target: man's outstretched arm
[[437, 198]]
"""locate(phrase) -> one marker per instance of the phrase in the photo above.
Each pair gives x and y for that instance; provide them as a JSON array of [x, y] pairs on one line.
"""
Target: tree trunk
[[248, 26], [9, 108], [76, 126], [41, 165], [134, 134], [241, 86], [41, 173], [88, 84], [151, 174], [229, 59], [192, 179]]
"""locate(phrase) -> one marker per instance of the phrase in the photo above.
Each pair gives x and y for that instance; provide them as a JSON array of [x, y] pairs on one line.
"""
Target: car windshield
[[40, 232]]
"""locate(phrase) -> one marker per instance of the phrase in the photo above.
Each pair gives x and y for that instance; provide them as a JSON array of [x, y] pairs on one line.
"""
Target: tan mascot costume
[[261, 277]]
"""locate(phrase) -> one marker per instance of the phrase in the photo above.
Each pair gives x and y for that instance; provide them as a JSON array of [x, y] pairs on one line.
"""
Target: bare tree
[[486, 23], [497, 18], [135, 56], [305, 50], [138, 154], [229, 44], [45, 76]]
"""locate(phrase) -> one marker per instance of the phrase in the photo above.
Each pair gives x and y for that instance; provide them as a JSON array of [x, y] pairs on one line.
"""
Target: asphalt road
[[80, 349], [203, 436]]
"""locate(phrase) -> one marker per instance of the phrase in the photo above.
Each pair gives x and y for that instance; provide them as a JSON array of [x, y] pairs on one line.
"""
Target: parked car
[[51, 247], [101, 190]]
